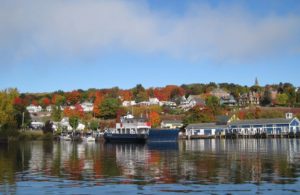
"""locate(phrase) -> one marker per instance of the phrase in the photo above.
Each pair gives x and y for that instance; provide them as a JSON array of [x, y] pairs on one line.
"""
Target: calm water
[[266, 166]]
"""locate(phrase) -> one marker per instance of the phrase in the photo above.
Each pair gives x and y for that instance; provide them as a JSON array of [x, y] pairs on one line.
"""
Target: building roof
[[206, 125], [262, 121]]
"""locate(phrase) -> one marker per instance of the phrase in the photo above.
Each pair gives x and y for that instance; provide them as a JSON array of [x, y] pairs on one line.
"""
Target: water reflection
[[242, 161]]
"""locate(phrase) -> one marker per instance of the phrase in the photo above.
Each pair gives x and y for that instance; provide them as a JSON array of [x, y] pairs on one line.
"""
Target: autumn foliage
[[99, 97], [76, 112], [154, 119], [73, 97]]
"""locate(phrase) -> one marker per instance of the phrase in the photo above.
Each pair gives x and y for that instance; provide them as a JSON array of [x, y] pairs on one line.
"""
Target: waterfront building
[[276, 126], [256, 127], [204, 130]]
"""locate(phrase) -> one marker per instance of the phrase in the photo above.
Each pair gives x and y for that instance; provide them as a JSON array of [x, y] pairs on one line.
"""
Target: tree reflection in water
[[208, 161]]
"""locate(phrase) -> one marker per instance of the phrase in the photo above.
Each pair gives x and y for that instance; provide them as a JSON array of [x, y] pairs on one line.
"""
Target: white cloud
[[80, 28]]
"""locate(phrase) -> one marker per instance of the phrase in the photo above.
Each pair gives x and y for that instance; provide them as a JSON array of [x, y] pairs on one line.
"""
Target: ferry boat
[[129, 129]]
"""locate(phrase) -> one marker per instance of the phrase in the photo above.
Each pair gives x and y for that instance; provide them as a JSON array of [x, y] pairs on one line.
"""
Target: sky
[[80, 44]]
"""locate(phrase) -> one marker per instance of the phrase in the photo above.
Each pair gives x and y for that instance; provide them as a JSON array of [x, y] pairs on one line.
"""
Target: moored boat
[[89, 139], [129, 129], [66, 137]]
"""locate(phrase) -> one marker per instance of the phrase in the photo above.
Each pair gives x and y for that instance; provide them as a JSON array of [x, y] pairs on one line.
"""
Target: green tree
[[74, 121], [8, 123], [139, 93], [213, 103], [282, 99], [109, 108], [94, 125], [56, 114], [196, 115], [7, 110]]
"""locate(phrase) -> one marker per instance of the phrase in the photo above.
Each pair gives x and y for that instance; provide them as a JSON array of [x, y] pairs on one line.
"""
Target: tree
[[22, 116], [74, 121], [197, 115], [48, 128], [266, 99], [45, 102], [7, 110], [56, 114], [58, 99], [126, 95], [97, 103], [94, 124], [282, 99], [154, 119], [139, 93], [73, 97], [109, 108], [213, 103]]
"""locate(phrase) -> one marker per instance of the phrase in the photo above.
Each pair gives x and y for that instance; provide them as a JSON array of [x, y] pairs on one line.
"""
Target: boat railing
[[131, 125]]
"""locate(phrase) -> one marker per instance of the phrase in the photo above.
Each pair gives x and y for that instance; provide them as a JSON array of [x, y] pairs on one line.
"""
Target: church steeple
[[256, 82]]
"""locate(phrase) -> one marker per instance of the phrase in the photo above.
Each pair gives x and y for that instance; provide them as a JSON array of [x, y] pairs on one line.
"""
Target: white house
[[191, 101], [49, 108], [87, 106], [34, 109], [153, 101], [37, 125], [65, 123], [168, 103], [128, 103]]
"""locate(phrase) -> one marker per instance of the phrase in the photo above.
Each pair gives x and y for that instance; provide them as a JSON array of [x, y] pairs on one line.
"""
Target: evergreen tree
[[109, 108], [266, 99]]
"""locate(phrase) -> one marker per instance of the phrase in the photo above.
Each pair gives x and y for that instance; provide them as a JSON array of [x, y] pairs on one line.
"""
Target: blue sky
[[64, 45]]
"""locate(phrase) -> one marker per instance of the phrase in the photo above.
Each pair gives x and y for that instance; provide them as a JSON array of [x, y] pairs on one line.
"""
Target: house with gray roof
[[269, 127], [275, 126], [191, 101]]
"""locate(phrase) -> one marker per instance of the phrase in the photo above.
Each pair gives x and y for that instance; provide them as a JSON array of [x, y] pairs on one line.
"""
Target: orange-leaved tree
[[154, 119], [99, 97]]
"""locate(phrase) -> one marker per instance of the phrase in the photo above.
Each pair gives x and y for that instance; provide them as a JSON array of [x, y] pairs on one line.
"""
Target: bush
[[31, 135]]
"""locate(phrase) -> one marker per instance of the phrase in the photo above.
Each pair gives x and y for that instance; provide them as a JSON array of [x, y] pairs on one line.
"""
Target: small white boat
[[65, 138], [90, 139]]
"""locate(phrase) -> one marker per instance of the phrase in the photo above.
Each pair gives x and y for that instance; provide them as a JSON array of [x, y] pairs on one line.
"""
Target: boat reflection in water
[[190, 163]]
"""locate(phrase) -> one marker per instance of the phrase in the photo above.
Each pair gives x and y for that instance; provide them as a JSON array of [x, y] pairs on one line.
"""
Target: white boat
[[89, 139], [65, 138]]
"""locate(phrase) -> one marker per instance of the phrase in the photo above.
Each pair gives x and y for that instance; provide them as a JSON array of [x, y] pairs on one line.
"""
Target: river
[[212, 166]]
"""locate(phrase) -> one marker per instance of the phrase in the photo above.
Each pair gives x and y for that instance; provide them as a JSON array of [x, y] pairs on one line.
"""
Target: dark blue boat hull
[[163, 135], [130, 138]]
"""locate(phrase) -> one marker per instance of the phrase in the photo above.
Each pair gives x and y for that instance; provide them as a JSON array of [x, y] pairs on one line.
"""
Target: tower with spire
[[256, 82]]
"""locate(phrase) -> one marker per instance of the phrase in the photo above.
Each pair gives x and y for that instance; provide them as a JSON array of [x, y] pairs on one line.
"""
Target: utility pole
[[23, 116]]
